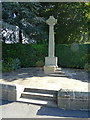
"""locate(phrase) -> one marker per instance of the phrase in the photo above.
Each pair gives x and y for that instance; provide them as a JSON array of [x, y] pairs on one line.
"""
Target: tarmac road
[[23, 110]]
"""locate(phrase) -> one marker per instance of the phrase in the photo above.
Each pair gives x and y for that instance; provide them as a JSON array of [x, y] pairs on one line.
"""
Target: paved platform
[[71, 86], [78, 80]]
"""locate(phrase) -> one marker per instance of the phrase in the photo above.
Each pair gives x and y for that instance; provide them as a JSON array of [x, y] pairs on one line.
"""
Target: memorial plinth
[[51, 60]]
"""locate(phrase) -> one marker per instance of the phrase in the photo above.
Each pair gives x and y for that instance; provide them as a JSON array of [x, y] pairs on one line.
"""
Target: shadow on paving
[[50, 111], [77, 74], [3, 102], [24, 73], [63, 113]]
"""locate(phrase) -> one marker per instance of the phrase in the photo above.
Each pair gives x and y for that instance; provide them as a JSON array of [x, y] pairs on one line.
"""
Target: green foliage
[[0, 66], [87, 67], [16, 64], [26, 17], [73, 25], [10, 64], [39, 63], [72, 55], [30, 55], [73, 20]]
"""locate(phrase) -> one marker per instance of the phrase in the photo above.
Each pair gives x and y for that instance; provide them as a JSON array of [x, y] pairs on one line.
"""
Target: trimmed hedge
[[28, 54], [72, 56]]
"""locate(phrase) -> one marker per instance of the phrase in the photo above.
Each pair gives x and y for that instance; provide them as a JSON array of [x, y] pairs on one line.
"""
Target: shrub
[[28, 54], [39, 63], [16, 64], [10, 64], [87, 67], [72, 58]]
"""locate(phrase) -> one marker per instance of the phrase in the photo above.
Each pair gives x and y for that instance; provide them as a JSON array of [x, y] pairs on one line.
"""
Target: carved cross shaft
[[51, 22]]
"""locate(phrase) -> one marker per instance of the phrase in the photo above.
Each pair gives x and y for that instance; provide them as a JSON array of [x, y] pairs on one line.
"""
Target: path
[[14, 110]]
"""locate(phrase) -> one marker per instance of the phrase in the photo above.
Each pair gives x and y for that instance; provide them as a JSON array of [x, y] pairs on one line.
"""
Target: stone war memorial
[[51, 60], [54, 87], [41, 82]]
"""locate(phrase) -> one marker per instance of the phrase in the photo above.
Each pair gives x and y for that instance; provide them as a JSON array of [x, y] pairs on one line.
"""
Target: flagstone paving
[[78, 80]]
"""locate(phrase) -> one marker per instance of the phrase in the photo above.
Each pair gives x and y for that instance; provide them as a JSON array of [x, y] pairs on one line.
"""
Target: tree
[[8, 32], [72, 25], [73, 20], [25, 16]]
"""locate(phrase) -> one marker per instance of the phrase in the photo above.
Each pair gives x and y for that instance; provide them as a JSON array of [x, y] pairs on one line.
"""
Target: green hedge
[[10, 64], [28, 54], [74, 56]]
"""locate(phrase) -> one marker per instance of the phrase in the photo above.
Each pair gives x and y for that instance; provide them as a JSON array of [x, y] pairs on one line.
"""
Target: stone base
[[9, 92], [73, 100], [50, 69], [50, 61]]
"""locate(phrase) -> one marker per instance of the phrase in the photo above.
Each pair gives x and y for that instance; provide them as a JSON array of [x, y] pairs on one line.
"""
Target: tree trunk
[[20, 36]]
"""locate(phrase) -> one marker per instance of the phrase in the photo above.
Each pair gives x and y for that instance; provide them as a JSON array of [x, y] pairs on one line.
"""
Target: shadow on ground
[[77, 74], [26, 109], [3, 102], [43, 111], [24, 73]]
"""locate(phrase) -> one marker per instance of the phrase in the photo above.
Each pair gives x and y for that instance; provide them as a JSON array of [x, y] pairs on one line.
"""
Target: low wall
[[66, 99], [73, 100], [8, 92]]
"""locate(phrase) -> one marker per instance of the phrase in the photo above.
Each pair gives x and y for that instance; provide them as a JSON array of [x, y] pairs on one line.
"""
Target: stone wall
[[8, 92], [69, 99]]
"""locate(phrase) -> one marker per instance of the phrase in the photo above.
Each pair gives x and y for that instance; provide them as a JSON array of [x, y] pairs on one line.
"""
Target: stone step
[[39, 96], [58, 69], [38, 90], [57, 75], [59, 72], [38, 102]]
